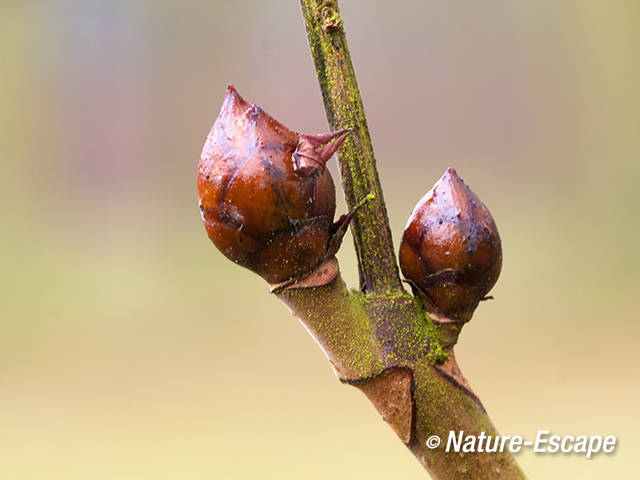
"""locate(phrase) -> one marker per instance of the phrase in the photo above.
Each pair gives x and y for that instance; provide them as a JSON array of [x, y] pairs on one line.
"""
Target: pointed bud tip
[[233, 102], [452, 175], [315, 150], [230, 95], [449, 183], [231, 91], [233, 95], [341, 136]]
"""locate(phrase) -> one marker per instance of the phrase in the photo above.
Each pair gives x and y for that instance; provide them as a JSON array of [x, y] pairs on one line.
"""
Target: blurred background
[[131, 349]]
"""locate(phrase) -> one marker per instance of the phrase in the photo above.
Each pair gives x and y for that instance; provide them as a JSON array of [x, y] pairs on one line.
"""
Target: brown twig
[[380, 339]]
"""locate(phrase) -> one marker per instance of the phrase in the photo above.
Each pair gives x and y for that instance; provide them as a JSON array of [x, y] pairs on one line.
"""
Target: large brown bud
[[451, 250], [266, 199]]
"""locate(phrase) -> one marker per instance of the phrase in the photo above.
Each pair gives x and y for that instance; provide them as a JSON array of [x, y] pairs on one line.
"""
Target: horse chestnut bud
[[451, 251], [266, 199]]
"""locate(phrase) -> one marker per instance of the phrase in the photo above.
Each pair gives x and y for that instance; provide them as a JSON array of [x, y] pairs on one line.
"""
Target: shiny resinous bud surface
[[451, 250], [267, 202]]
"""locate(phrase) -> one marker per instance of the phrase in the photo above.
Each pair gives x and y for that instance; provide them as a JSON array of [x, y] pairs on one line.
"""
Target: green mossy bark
[[367, 333], [441, 407], [343, 104], [339, 322], [363, 337]]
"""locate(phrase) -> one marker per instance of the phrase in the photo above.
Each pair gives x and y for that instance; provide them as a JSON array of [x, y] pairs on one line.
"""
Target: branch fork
[[380, 339], [268, 204]]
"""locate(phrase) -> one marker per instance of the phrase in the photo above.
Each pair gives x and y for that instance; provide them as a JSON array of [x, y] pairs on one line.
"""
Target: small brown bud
[[451, 251], [266, 199]]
